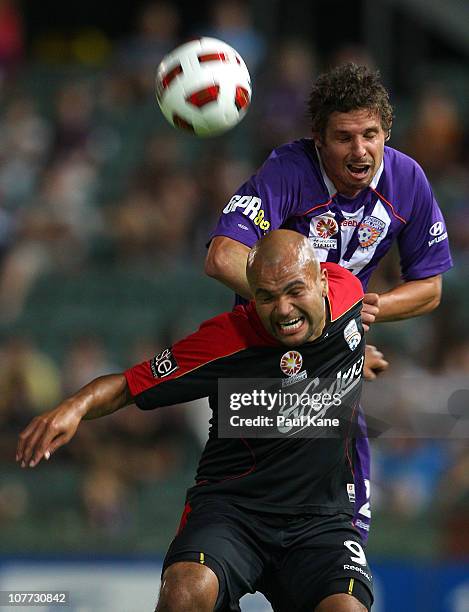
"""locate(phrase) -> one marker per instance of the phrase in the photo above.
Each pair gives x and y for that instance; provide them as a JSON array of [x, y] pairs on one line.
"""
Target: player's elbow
[[212, 265], [216, 262], [433, 303], [436, 294]]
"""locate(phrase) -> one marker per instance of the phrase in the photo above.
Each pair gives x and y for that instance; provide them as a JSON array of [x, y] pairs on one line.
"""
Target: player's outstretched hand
[[370, 309], [375, 363], [46, 433]]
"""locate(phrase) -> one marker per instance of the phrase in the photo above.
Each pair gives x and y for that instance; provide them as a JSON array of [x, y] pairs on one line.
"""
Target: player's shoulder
[[228, 324], [297, 155], [294, 149], [345, 290], [401, 166], [237, 329], [296, 166]]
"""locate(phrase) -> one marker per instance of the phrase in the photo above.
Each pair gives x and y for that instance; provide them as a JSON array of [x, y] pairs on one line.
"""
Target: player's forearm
[[49, 431], [226, 262], [103, 395], [410, 299]]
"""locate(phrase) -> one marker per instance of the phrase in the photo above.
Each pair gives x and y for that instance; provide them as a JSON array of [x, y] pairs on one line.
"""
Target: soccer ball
[[203, 87]]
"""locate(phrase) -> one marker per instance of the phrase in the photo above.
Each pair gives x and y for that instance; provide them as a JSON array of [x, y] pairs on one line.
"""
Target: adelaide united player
[[271, 514]]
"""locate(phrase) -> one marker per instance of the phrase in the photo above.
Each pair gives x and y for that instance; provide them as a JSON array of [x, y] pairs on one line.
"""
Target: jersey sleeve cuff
[[426, 273], [131, 383], [248, 243]]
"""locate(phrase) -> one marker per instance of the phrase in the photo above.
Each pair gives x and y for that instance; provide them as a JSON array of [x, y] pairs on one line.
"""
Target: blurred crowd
[[94, 184]]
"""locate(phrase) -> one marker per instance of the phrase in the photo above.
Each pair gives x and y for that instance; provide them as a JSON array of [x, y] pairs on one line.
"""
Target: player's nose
[[358, 148], [283, 306]]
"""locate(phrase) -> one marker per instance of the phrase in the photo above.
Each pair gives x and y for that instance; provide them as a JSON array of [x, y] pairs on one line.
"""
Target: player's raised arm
[[47, 432], [226, 262]]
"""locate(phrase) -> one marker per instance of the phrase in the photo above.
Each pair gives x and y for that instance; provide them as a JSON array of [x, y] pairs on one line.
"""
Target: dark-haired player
[[353, 197], [269, 514]]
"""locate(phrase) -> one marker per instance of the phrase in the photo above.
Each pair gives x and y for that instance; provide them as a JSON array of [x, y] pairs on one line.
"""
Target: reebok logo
[[359, 570]]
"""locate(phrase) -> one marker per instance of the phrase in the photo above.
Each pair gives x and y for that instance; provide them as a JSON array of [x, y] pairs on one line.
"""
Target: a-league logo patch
[[370, 230], [291, 362], [163, 364], [326, 227], [321, 230]]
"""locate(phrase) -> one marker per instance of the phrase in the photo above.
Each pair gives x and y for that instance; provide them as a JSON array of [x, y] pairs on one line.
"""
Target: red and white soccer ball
[[203, 87]]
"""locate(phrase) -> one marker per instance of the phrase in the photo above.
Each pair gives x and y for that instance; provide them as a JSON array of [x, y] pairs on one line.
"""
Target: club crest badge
[[370, 230], [352, 335], [291, 362]]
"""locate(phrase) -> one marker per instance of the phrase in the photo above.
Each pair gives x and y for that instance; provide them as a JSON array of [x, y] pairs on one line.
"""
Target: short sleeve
[[262, 204], [423, 243], [190, 368]]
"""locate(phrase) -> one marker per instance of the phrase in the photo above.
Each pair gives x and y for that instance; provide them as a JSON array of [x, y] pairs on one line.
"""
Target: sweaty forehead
[[277, 275], [357, 120]]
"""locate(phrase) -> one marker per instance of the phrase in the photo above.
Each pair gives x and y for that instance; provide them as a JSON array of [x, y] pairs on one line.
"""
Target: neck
[[321, 325], [348, 193]]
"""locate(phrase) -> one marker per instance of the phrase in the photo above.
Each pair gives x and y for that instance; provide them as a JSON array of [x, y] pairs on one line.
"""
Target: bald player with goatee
[[273, 513]]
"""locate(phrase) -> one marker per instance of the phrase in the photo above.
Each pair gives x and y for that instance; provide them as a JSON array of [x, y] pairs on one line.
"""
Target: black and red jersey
[[287, 475]]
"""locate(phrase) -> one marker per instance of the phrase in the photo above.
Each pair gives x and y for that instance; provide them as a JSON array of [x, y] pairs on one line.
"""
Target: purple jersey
[[292, 191]]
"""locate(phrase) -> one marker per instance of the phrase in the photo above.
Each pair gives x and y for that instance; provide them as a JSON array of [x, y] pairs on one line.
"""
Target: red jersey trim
[[315, 207], [220, 337], [140, 379], [381, 197], [184, 517]]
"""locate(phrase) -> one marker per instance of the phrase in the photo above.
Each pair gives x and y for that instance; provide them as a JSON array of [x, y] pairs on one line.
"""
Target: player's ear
[[324, 283], [317, 139]]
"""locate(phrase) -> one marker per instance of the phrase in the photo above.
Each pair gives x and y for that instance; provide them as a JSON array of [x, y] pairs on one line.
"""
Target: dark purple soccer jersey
[[292, 191]]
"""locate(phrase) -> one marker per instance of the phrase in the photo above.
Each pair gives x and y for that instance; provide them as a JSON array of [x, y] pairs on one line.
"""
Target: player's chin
[[292, 342]]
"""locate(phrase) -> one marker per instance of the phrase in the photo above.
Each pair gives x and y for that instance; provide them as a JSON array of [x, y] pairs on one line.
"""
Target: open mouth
[[359, 170], [291, 326]]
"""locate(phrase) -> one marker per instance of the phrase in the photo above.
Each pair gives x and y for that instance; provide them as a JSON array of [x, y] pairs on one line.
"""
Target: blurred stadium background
[[104, 215]]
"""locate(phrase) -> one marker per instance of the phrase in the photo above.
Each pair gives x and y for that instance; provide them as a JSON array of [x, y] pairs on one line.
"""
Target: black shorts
[[295, 561]]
